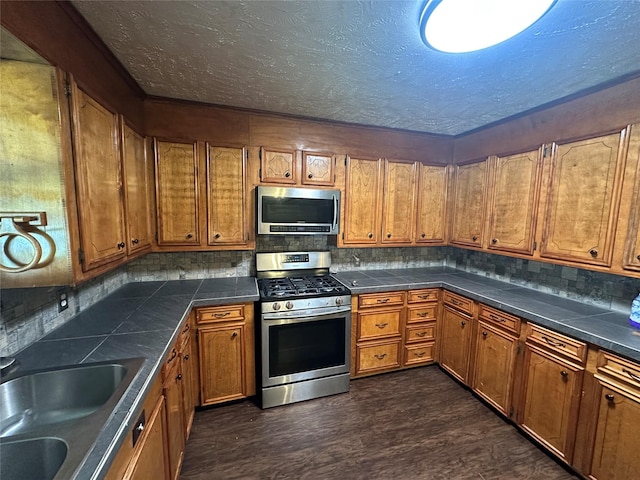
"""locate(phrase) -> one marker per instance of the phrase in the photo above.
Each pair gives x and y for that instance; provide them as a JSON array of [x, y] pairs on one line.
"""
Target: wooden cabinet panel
[[136, 180], [278, 166], [420, 333], [172, 391], [469, 204], [458, 302], [226, 186], [631, 260], [379, 323], [422, 313], [514, 202], [318, 168], [189, 395], [98, 177], [583, 200], [494, 366], [362, 201], [455, 343], [426, 295], [381, 299], [399, 199], [550, 400], [223, 313], [500, 319], [431, 224], [418, 354], [177, 193], [380, 356], [559, 344]]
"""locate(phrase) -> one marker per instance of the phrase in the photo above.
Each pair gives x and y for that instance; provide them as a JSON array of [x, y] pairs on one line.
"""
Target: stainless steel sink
[[50, 419], [38, 458]]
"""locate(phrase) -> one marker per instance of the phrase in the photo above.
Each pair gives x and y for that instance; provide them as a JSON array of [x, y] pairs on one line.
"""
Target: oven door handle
[[305, 315], [335, 214]]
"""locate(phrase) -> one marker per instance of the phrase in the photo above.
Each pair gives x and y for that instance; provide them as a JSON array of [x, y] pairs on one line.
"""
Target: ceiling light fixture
[[457, 26]]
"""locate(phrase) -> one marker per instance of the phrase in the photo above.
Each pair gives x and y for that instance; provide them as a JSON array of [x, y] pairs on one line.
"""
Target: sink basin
[[55, 396], [39, 458]]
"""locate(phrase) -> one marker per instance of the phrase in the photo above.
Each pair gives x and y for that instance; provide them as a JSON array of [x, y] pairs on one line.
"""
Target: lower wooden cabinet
[[172, 391], [420, 327], [189, 364], [226, 349], [455, 342], [150, 460]]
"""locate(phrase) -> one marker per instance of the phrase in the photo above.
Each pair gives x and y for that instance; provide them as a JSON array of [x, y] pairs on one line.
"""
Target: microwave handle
[[335, 212]]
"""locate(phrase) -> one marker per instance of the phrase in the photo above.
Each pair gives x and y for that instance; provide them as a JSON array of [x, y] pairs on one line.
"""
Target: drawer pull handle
[[221, 315], [422, 314], [173, 355], [383, 300], [380, 356], [552, 343], [421, 354], [421, 334], [186, 328], [424, 297], [632, 375], [496, 318], [457, 303], [609, 397], [564, 374], [593, 252], [475, 238], [381, 325]]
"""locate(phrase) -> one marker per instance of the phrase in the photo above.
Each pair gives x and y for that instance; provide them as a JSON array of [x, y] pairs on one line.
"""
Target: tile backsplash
[[28, 314]]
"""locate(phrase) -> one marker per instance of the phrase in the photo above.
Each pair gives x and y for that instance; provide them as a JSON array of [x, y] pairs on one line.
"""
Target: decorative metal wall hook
[[15, 225]]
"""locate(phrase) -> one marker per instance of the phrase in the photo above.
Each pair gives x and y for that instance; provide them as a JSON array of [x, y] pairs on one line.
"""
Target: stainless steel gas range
[[305, 328]]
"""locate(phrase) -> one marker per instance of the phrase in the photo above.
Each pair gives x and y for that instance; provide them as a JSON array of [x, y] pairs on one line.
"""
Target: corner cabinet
[[468, 204], [583, 200], [456, 326]]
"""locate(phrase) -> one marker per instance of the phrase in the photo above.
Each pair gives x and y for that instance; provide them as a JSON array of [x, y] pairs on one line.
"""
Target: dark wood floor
[[414, 424]]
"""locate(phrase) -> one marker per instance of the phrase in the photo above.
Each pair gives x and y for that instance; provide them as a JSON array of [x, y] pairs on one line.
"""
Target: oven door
[[305, 345]]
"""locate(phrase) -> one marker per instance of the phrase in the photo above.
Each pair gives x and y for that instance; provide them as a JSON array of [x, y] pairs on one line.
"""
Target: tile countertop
[[143, 319]]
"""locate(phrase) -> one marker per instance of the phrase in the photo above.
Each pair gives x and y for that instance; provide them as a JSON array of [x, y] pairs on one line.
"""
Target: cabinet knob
[[638, 257], [234, 334], [593, 252], [370, 235], [287, 174], [609, 397], [186, 357], [475, 237], [423, 234], [217, 235], [135, 241], [179, 377], [494, 240], [388, 235], [310, 175], [463, 323], [189, 235], [121, 245], [564, 374], [484, 334]]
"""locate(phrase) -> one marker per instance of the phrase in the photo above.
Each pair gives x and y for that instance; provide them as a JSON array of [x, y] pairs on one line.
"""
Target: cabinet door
[[583, 200], [226, 183], [151, 460], [455, 343], [399, 196], [317, 169], [494, 366], [432, 204], [177, 193], [221, 363], [136, 192], [550, 400], [98, 176], [277, 166], [514, 203], [469, 200], [188, 393], [362, 201], [174, 413], [632, 245]]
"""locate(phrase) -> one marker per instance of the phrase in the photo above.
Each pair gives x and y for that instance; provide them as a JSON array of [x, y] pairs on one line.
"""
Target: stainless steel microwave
[[297, 211]]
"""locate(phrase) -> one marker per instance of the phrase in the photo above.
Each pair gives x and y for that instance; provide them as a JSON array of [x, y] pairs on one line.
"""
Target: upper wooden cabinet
[[136, 192], [363, 191], [398, 202], [177, 193], [318, 168], [431, 223], [513, 206], [468, 204], [96, 141], [226, 187], [631, 255], [293, 167], [583, 200], [278, 166]]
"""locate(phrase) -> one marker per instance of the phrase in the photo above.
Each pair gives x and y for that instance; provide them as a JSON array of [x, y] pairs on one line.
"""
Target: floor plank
[[414, 424]]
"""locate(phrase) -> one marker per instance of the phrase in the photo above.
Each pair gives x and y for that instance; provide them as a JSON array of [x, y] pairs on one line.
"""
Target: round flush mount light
[[457, 26]]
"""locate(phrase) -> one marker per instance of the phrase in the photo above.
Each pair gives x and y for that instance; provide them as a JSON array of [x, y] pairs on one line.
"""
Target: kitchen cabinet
[[455, 335], [583, 200], [278, 166], [177, 193], [551, 389], [318, 168], [513, 207], [631, 260], [172, 391], [431, 226], [97, 144], [377, 323], [292, 167], [420, 327], [468, 204], [226, 349], [226, 187], [495, 357], [189, 370], [399, 198], [362, 201], [135, 165]]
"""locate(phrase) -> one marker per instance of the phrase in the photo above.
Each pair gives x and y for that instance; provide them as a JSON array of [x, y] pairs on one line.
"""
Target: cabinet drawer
[[378, 324], [420, 332], [223, 313], [381, 299], [421, 314], [500, 319], [458, 302], [619, 369], [555, 342], [417, 354], [426, 295], [379, 356]]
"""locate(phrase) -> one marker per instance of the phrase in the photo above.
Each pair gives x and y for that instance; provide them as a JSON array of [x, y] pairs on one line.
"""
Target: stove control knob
[[339, 301], [289, 305], [276, 306]]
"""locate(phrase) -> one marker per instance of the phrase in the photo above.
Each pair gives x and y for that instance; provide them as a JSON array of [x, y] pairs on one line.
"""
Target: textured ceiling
[[362, 61]]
